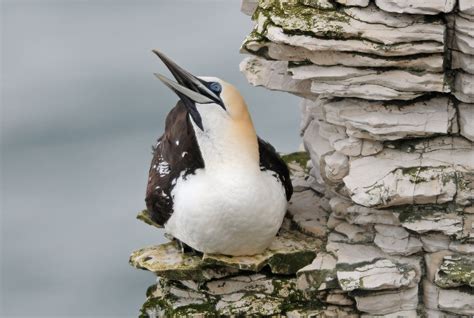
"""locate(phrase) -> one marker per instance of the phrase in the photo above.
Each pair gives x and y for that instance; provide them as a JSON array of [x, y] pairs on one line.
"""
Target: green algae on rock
[[253, 295], [288, 252], [145, 216], [167, 260], [455, 271]]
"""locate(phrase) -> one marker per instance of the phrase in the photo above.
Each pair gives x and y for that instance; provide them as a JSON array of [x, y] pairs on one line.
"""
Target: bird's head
[[204, 94]]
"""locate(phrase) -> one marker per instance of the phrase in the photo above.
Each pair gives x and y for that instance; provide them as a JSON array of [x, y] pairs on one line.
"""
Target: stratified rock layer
[[387, 119]]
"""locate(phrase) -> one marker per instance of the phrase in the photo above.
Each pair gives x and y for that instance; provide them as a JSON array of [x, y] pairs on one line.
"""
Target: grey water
[[80, 109]]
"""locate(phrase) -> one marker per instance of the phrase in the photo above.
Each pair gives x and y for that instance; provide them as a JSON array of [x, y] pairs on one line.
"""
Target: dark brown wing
[[270, 160], [176, 152]]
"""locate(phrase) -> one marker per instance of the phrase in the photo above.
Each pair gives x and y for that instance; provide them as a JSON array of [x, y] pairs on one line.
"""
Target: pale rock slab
[[357, 3], [273, 75], [308, 215], [276, 35], [395, 240], [460, 60], [389, 121], [336, 166], [461, 248], [464, 87], [248, 7], [354, 233], [387, 302], [363, 83], [398, 314], [317, 276], [426, 173], [339, 24], [382, 274], [435, 242], [416, 6], [455, 271], [436, 221], [430, 63], [466, 120], [466, 6]]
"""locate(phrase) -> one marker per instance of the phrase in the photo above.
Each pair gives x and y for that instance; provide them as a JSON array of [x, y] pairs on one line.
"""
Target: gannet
[[213, 183]]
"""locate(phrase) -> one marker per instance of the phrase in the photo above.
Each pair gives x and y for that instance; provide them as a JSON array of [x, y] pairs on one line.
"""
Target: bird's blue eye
[[215, 87]]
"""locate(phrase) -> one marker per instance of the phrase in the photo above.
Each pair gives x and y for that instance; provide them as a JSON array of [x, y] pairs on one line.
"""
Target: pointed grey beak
[[189, 88]]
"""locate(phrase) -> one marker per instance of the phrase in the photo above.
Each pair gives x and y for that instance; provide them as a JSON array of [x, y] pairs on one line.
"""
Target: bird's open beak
[[189, 88]]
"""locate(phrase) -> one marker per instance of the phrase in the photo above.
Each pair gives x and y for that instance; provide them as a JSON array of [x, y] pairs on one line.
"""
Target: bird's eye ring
[[215, 87]]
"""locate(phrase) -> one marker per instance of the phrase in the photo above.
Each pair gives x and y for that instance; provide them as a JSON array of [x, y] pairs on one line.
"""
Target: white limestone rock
[[455, 271], [435, 221], [426, 172], [317, 276], [456, 301], [354, 233], [336, 166], [430, 63], [273, 75], [382, 274], [463, 87], [388, 302], [248, 7], [308, 215], [368, 83], [339, 24], [389, 121], [356, 214], [466, 120], [460, 60], [435, 242], [466, 6], [395, 240], [277, 35], [357, 3], [461, 248], [416, 6]]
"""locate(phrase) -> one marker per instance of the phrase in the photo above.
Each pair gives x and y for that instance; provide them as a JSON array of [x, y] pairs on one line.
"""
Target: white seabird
[[213, 184]]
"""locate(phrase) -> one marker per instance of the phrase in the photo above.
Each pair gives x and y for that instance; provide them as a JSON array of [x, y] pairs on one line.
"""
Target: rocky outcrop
[[387, 112], [381, 223]]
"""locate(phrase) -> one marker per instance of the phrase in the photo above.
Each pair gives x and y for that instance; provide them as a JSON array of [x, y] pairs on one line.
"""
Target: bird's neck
[[228, 144]]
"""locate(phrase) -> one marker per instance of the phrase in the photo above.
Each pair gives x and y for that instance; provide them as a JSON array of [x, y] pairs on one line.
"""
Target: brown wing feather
[[176, 152], [270, 160]]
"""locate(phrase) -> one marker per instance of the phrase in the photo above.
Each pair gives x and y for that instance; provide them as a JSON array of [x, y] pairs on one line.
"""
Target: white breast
[[228, 211]]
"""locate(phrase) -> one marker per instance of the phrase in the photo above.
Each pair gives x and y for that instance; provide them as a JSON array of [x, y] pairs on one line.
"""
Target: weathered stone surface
[[248, 6], [395, 240], [145, 216], [357, 3], [387, 302], [168, 261], [284, 52], [434, 220], [240, 295], [340, 24], [354, 233], [453, 301], [460, 60], [466, 6], [382, 274], [288, 252], [317, 276], [466, 120], [273, 75], [356, 82], [277, 35], [416, 6], [391, 121], [461, 248], [455, 271], [308, 215], [329, 311], [434, 242], [464, 87], [425, 172]]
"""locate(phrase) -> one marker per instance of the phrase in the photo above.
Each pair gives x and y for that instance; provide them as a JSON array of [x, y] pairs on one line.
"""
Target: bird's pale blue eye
[[215, 87]]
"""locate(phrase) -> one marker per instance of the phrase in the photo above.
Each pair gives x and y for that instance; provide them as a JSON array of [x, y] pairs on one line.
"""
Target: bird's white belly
[[232, 213]]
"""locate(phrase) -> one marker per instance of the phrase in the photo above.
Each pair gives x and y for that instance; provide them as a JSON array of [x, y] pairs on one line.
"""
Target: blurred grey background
[[80, 110]]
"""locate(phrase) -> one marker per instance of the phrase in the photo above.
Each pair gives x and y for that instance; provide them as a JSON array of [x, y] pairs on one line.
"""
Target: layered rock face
[[387, 110]]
